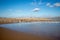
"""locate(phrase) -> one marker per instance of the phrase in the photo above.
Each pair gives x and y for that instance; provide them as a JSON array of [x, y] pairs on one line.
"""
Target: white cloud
[[37, 3], [53, 5], [48, 4], [57, 4], [35, 9]]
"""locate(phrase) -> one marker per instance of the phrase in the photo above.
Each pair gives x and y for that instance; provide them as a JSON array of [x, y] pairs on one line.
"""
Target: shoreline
[[7, 34], [30, 22]]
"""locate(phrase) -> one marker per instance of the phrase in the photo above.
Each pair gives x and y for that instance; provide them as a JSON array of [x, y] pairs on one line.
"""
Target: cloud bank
[[57, 4], [53, 5]]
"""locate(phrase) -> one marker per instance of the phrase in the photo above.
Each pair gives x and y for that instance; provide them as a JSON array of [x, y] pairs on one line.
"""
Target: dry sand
[[7, 34]]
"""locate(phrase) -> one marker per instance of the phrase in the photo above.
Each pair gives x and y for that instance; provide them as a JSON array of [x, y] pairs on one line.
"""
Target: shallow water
[[38, 28]]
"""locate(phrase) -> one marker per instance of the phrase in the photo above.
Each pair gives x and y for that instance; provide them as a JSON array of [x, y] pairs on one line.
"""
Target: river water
[[36, 28]]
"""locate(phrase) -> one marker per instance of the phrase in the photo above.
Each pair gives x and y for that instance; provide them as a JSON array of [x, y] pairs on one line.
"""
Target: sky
[[29, 8]]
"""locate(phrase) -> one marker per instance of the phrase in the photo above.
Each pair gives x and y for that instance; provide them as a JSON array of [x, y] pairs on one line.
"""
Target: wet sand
[[7, 34]]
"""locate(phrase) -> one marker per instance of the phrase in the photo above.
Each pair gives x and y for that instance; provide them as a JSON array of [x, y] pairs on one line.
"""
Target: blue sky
[[29, 8]]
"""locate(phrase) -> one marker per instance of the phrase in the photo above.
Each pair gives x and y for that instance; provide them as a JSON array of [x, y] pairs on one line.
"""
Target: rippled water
[[35, 28]]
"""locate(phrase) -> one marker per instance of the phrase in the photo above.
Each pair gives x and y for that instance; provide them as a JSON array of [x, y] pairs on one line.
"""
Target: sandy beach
[[7, 34]]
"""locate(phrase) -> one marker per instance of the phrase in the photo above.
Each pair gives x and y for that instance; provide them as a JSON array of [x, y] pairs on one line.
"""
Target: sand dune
[[17, 20], [7, 34]]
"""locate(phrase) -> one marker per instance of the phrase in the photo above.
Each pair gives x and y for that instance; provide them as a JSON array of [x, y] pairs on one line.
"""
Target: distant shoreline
[[16, 20], [30, 22]]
